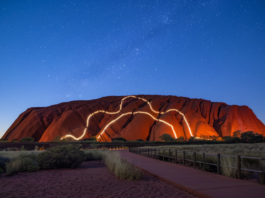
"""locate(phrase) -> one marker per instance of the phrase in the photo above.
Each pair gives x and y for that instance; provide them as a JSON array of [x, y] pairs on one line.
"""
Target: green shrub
[[181, 138], [23, 148], [27, 139], [94, 138], [65, 156], [139, 140], [3, 161], [14, 140], [93, 155], [13, 166], [1, 170], [29, 165], [119, 139], [58, 139], [4, 140]]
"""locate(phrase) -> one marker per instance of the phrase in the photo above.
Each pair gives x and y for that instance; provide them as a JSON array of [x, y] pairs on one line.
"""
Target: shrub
[[65, 156], [14, 140], [229, 139], [91, 139], [58, 139], [23, 148], [4, 140], [29, 165], [27, 139], [13, 166], [181, 138], [119, 139], [139, 140], [1, 170], [166, 137], [93, 155], [3, 161]]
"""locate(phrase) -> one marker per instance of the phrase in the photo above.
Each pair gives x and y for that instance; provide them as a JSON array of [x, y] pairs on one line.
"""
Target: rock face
[[142, 117]]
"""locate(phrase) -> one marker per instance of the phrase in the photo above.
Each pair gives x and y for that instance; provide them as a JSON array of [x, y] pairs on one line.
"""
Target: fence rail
[[160, 154]]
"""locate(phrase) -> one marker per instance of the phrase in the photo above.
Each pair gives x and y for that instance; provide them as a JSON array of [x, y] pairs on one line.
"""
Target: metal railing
[[157, 154]]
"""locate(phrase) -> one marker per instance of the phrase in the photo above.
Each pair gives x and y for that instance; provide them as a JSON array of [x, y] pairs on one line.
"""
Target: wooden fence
[[160, 154]]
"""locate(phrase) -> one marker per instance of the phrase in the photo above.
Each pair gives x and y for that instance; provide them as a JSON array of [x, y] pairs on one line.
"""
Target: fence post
[[140, 151], [155, 153], [163, 154], [148, 152], [218, 163], [183, 158], [204, 163], [194, 160], [239, 167], [176, 156]]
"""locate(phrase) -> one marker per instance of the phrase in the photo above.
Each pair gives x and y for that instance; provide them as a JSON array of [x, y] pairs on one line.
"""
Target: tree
[[251, 137], [166, 137], [237, 133]]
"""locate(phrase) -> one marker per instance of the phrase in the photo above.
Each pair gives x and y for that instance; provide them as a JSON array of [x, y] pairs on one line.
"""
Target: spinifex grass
[[119, 166]]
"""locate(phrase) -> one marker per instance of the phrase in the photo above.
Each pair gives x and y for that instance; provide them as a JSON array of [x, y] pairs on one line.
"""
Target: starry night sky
[[58, 51]]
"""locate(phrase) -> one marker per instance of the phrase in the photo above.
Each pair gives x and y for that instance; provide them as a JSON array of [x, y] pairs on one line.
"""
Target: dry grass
[[117, 165], [242, 149], [16, 154]]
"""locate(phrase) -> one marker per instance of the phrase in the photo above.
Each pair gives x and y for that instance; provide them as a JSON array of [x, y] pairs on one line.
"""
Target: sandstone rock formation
[[135, 119]]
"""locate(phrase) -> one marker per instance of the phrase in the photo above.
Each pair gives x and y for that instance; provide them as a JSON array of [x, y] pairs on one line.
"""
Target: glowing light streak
[[115, 112]]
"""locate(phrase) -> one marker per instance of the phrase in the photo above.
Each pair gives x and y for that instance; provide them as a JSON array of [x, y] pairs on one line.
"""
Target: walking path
[[194, 181]]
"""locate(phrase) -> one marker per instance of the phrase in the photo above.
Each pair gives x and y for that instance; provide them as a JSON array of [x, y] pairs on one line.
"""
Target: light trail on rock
[[128, 113]]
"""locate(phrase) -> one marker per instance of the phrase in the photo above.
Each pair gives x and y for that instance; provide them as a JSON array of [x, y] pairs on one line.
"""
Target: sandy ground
[[91, 179]]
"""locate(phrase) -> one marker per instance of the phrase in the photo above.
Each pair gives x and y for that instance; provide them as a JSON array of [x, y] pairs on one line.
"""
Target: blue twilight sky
[[58, 51]]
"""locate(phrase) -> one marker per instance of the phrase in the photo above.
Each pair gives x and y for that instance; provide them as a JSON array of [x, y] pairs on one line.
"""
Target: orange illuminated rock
[[142, 117]]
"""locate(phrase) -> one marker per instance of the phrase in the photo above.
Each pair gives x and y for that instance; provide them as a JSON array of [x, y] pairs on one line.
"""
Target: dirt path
[[91, 179]]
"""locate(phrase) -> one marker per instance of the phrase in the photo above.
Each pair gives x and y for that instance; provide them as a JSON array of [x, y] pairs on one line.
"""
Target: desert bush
[[181, 138], [229, 139], [119, 139], [13, 166], [27, 139], [22, 148], [93, 155], [166, 137], [139, 140], [3, 161], [58, 139], [28, 165], [4, 140], [93, 138], [16, 154], [65, 156]]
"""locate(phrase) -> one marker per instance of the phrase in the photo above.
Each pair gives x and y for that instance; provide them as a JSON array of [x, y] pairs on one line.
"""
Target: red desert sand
[[91, 179]]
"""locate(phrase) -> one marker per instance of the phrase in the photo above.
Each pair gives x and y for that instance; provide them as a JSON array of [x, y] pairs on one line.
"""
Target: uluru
[[144, 117]]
